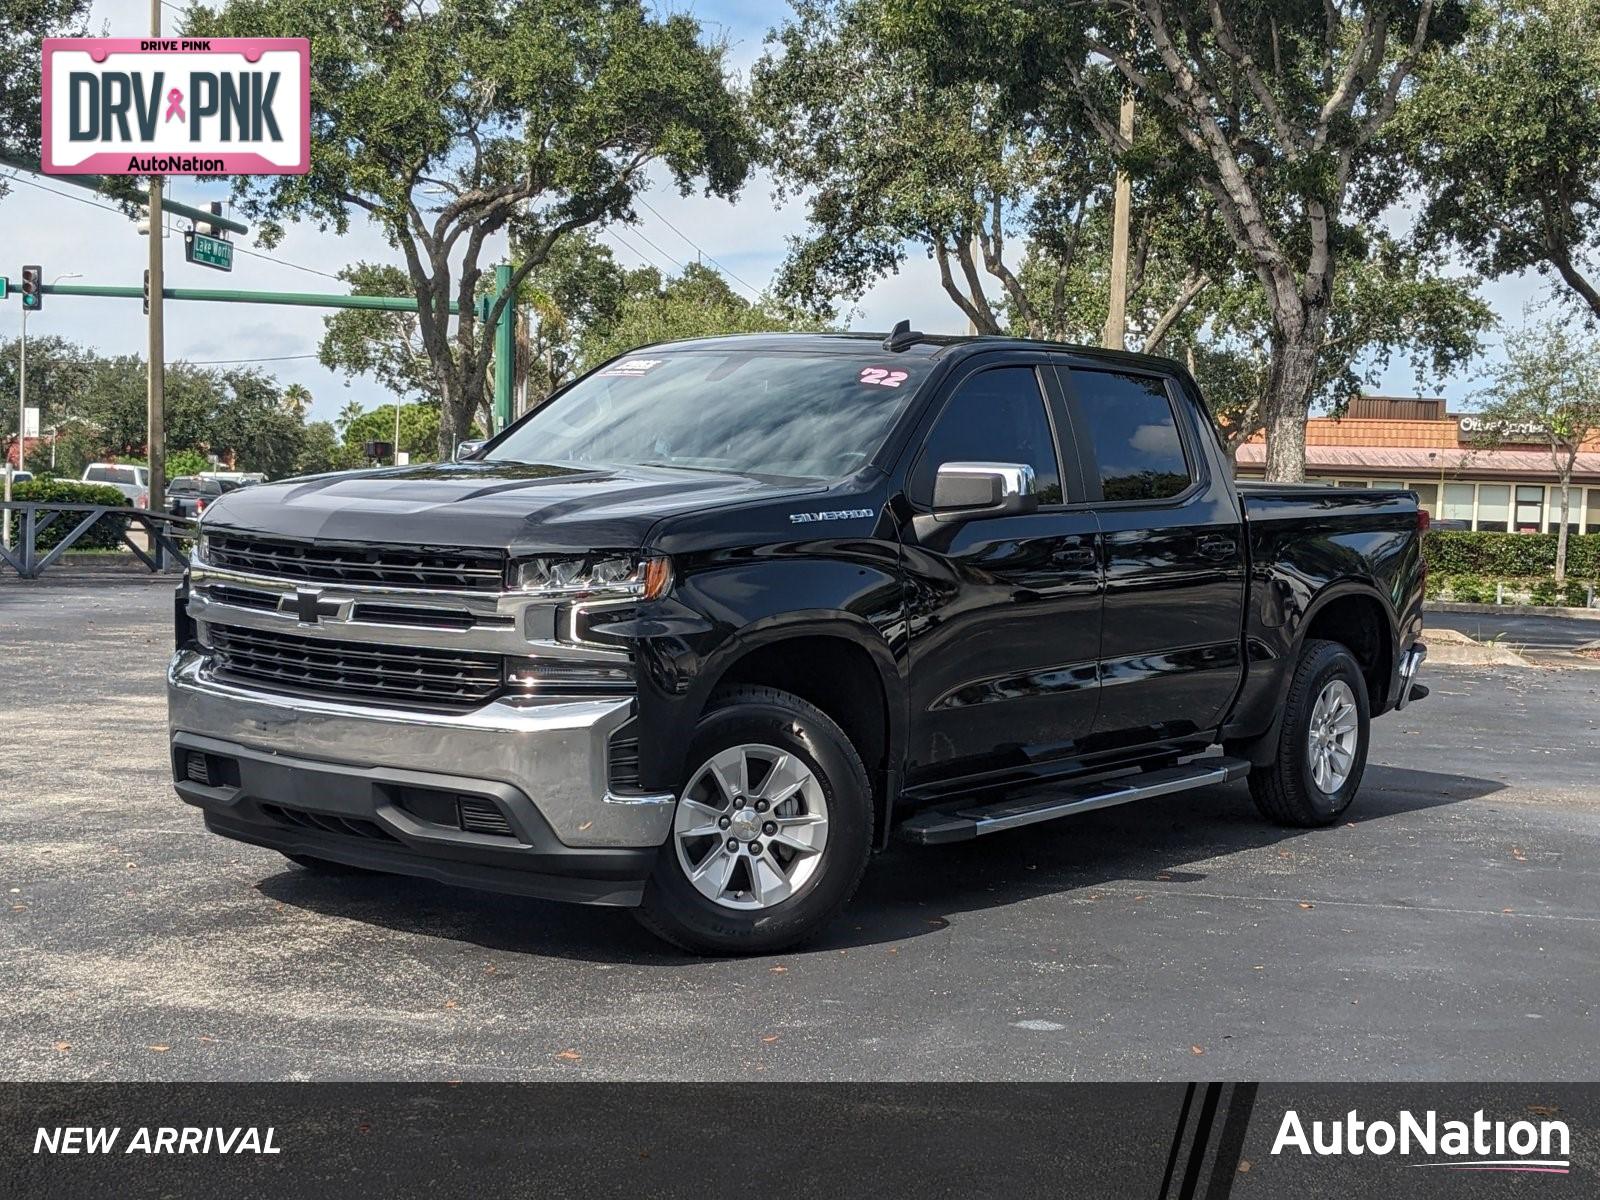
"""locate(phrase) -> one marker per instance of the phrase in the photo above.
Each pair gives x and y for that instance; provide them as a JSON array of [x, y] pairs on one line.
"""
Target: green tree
[[419, 429], [1505, 137], [23, 26], [187, 461], [891, 154], [385, 345], [297, 400], [573, 297], [321, 451], [1547, 387], [455, 121], [696, 303], [1278, 110]]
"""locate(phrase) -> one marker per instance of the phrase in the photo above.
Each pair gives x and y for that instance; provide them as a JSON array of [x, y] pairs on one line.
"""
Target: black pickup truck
[[724, 616]]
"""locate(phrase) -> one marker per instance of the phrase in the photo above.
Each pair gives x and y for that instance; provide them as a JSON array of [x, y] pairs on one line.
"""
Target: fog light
[[559, 675]]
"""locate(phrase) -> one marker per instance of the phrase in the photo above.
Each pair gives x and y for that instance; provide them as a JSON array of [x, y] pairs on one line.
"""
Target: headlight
[[593, 575], [202, 545]]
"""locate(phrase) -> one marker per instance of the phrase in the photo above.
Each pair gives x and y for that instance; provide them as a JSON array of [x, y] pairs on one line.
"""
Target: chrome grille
[[322, 667], [373, 566]]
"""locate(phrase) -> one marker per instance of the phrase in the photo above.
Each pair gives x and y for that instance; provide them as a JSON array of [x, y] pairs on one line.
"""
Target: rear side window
[[995, 416], [1135, 435], [112, 475]]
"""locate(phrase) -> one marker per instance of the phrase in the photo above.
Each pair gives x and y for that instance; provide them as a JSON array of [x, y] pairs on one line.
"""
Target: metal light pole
[[155, 406]]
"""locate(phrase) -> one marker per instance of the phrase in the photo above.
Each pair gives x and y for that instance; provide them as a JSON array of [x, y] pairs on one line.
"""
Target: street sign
[[176, 106], [208, 251]]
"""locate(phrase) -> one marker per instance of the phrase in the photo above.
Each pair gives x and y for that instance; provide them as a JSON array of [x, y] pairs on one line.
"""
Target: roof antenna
[[901, 337]]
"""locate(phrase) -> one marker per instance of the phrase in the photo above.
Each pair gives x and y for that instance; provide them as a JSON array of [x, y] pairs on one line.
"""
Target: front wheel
[[1322, 742], [771, 833]]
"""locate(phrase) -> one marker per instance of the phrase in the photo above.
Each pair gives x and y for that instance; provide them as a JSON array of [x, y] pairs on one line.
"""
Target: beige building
[[1385, 441]]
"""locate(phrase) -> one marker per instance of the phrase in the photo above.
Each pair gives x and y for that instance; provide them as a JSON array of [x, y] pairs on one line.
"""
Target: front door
[[1003, 613]]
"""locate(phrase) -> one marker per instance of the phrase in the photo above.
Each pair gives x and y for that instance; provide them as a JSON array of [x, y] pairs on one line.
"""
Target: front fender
[[748, 601]]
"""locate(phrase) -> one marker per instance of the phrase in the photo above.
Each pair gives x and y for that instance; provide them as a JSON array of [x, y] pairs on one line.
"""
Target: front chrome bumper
[[550, 755]]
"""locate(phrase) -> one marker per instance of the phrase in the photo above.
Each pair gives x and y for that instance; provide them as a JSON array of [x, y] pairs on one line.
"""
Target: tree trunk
[[1294, 367], [458, 400], [1561, 534]]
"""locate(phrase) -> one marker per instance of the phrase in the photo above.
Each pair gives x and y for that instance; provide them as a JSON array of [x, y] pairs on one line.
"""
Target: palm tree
[[297, 399]]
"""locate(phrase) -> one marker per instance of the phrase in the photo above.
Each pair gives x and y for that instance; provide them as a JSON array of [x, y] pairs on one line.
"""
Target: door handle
[[1218, 545], [1074, 558]]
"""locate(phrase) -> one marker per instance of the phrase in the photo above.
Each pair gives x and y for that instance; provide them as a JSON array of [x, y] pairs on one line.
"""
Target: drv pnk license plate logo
[[177, 106]]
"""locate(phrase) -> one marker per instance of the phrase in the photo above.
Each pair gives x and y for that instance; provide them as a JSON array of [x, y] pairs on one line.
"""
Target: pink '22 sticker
[[882, 376]]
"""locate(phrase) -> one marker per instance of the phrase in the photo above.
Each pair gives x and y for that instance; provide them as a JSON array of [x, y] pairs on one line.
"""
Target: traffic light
[[206, 227], [33, 287]]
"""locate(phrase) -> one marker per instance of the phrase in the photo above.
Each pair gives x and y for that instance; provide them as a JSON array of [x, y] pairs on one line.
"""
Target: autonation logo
[[1476, 1145]]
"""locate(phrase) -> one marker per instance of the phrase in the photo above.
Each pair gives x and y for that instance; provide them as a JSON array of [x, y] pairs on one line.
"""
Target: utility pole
[[1115, 333], [155, 407]]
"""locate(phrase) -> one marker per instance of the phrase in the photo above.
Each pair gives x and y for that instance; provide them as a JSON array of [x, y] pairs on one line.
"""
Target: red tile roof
[[1389, 460]]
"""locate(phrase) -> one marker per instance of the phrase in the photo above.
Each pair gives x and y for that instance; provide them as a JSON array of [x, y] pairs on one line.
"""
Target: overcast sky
[[63, 230]]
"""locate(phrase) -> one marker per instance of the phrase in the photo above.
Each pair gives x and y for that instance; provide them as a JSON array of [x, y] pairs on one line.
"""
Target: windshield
[[792, 415]]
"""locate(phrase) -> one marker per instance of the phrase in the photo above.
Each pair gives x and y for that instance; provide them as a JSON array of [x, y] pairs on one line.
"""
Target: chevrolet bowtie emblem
[[309, 606]]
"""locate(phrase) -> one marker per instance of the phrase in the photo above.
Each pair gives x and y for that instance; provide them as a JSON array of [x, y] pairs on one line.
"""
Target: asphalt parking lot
[[1449, 930]]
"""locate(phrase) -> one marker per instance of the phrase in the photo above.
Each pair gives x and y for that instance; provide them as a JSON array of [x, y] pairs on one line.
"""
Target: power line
[[93, 203], [634, 250], [639, 233], [180, 362], [698, 249]]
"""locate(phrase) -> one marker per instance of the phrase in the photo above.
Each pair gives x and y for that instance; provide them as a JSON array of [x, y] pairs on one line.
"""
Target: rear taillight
[[144, 500], [1423, 520], [199, 507]]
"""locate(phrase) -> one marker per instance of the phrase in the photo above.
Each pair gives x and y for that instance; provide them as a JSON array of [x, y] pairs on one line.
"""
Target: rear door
[[1003, 613], [1174, 557]]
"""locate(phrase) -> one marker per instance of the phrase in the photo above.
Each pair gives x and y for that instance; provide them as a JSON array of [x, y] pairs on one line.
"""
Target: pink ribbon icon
[[175, 105]]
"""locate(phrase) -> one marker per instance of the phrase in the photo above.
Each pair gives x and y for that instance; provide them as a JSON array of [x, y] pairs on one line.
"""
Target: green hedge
[[1458, 552], [70, 491]]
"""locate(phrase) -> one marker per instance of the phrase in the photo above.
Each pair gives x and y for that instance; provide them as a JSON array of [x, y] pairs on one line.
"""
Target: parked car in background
[[132, 481], [21, 477], [188, 495], [238, 478]]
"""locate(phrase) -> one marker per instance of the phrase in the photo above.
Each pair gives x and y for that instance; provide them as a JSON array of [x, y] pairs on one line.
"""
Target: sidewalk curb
[[1515, 610]]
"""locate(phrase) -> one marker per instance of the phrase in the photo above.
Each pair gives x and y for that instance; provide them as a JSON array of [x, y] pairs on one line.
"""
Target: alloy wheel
[[750, 828]]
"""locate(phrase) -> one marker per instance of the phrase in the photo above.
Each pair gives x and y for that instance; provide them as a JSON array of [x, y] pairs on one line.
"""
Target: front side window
[[995, 416], [807, 416], [1135, 435]]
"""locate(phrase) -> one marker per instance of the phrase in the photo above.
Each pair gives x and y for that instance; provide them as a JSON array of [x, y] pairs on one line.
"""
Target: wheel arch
[[837, 663]]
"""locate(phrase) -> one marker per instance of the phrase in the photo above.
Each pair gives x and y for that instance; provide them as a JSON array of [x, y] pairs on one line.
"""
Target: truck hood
[[520, 507]]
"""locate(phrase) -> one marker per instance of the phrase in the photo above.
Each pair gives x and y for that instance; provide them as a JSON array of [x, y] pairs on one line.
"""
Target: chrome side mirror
[[468, 449], [966, 491]]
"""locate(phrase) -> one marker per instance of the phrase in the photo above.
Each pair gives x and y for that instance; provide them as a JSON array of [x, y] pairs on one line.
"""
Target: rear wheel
[[1322, 743], [771, 833]]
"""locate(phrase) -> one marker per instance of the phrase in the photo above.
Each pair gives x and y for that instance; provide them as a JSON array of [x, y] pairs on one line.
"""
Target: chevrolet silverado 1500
[[724, 616]]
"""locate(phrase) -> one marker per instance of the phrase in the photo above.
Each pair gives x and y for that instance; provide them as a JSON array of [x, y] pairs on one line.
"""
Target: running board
[[963, 823]]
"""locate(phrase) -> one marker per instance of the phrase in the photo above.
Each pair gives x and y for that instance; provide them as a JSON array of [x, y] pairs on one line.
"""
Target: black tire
[[1286, 791], [675, 910], [326, 866]]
